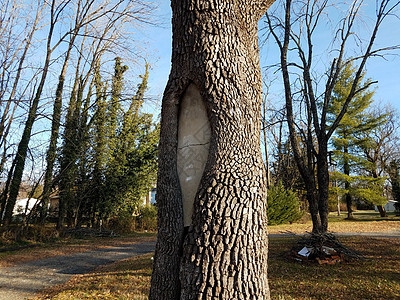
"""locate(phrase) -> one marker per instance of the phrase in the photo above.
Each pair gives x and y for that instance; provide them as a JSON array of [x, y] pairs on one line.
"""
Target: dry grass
[[126, 279], [365, 221], [68, 246], [348, 226], [378, 277]]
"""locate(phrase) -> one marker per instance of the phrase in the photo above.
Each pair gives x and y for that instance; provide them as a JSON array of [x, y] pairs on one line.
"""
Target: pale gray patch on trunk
[[193, 144]]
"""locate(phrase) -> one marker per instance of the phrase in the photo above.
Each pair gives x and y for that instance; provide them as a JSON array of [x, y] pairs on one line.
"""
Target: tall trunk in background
[[68, 155], [264, 133], [99, 148], [26, 135], [114, 108], [4, 193], [346, 171], [55, 127], [211, 176], [323, 181], [381, 209]]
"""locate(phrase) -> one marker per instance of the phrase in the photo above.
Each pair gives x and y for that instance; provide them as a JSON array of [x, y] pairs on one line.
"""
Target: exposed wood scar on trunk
[[193, 146]]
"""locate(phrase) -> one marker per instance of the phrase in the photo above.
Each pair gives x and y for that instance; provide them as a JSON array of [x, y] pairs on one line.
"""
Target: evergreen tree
[[108, 158], [347, 141], [283, 205], [69, 156], [97, 195], [125, 149], [114, 109], [132, 168]]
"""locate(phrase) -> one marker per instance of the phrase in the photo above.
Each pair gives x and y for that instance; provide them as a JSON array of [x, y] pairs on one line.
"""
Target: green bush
[[283, 205], [31, 234], [147, 219], [124, 222]]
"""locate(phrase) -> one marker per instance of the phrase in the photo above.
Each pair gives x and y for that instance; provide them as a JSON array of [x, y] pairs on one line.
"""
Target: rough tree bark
[[222, 253]]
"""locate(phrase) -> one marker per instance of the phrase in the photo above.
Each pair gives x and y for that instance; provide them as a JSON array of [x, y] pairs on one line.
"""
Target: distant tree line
[[327, 111], [64, 89]]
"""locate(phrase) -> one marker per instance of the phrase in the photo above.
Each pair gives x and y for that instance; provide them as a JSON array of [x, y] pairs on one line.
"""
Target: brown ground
[[67, 247]]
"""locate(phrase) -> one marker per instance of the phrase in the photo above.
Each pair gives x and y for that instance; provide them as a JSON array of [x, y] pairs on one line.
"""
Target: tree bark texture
[[346, 171], [323, 182], [223, 253]]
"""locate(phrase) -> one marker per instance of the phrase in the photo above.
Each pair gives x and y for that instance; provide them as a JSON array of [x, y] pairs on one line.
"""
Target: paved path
[[24, 280]]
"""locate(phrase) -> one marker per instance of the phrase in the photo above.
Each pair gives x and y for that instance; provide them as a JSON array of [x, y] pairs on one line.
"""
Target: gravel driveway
[[24, 280]]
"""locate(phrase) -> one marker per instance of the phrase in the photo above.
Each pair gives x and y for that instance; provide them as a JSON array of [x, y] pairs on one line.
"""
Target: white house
[[21, 204], [388, 206]]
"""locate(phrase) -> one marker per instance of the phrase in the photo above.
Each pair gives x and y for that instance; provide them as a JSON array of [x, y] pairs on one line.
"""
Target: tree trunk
[[55, 127], [304, 163], [346, 171], [382, 211], [264, 132], [69, 155], [215, 70], [312, 199], [323, 183], [380, 208], [26, 135], [23, 145], [6, 189]]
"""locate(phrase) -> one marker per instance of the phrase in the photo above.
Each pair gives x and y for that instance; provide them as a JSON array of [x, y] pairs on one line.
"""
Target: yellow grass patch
[[345, 226]]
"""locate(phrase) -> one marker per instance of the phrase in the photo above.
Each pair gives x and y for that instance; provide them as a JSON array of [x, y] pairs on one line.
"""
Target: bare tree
[[381, 146], [102, 27], [14, 52], [106, 15], [294, 33], [55, 11]]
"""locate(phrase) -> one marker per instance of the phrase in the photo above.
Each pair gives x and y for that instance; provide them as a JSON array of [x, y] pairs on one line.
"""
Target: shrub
[[124, 222], [147, 219], [283, 205], [31, 234]]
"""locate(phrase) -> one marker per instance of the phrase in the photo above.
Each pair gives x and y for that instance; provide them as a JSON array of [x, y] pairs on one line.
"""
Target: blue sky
[[385, 71]]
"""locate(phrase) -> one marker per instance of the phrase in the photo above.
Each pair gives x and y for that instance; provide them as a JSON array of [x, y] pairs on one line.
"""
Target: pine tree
[[283, 205], [347, 141]]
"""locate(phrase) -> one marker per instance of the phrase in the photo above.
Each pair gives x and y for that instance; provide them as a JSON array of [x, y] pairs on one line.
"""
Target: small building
[[150, 197], [388, 206], [22, 204]]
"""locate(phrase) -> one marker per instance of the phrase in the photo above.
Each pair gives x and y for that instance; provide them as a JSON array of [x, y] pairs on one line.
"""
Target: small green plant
[[283, 205], [147, 219], [124, 222]]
